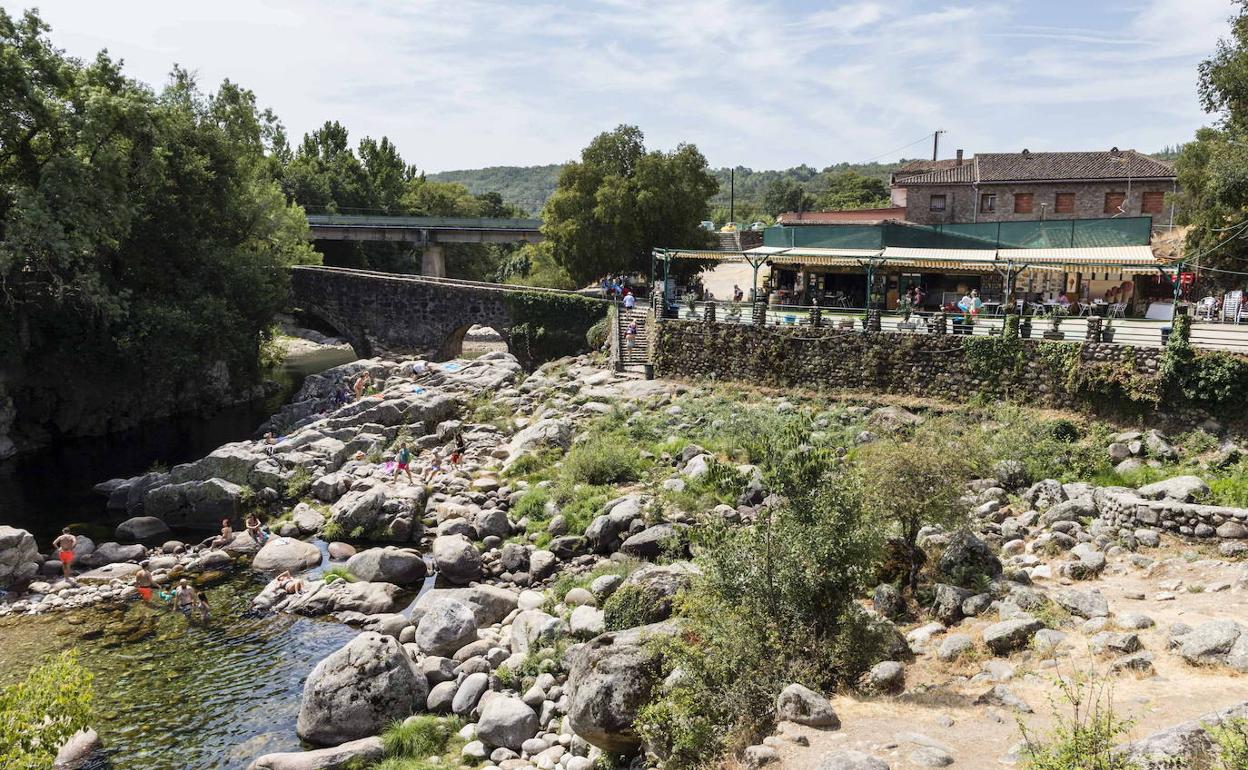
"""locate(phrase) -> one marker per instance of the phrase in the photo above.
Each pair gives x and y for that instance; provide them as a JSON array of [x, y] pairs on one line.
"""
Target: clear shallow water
[[168, 695], [171, 695]]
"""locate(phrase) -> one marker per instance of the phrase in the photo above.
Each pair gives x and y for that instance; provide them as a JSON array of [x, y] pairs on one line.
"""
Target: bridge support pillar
[[433, 261]]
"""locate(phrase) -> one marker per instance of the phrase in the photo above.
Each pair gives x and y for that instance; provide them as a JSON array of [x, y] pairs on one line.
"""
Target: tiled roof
[[1049, 166], [915, 167], [847, 217]]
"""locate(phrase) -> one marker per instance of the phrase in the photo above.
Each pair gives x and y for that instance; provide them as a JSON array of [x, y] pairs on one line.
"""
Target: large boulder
[[646, 596], [804, 706], [651, 542], [388, 565], [360, 690], [112, 553], [1009, 635], [446, 626], [456, 558], [534, 629], [349, 754], [555, 433], [612, 677], [279, 554], [506, 721], [19, 556], [606, 532], [491, 604], [331, 598], [194, 504], [1045, 494], [1183, 489], [143, 529], [966, 558]]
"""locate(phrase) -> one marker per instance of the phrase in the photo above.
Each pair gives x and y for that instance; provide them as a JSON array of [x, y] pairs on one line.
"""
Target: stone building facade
[[1027, 186]]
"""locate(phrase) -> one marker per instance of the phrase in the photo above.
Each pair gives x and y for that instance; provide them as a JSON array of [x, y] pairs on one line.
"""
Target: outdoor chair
[[1085, 308], [1118, 310], [1232, 305], [1207, 308]]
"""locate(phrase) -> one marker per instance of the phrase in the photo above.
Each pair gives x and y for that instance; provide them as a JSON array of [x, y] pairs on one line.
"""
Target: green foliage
[[597, 335], [41, 712], [851, 190], [567, 580], [531, 505], [601, 460], [534, 265], [298, 484], [548, 325], [338, 572], [1086, 738], [526, 187], [619, 201], [533, 463], [333, 530], [631, 606], [787, 195], [1231, 738], [142, 234], [420, 737], [914, 484], [777, 600]]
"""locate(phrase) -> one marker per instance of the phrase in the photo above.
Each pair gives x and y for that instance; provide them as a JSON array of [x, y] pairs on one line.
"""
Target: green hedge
[[546, 325]]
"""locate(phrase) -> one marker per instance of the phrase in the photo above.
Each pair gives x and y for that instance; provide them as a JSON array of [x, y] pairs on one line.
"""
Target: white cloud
[[763, 83]]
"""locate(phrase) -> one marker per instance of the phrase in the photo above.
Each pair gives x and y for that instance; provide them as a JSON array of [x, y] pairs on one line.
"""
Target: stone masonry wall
[[962, 201], [910, 364], [1127, 510]]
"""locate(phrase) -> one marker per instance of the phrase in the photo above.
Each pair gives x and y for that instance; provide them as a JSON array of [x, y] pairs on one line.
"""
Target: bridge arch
[[426, 316]]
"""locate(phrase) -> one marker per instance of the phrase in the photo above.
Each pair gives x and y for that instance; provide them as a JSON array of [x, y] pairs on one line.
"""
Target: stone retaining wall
[[1127, 510], [911, 364]]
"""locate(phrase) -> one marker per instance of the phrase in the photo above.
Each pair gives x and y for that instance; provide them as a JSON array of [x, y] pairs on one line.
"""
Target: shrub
[[1231, 738], [631, 606], [419, 737], [776, 600], [41, 712], [1084, 739], [298, 484], [338, 572], [601, 460], [1063, 430], [913, 484], [532, 504], [533, 463], [333, 530], [596, 337]]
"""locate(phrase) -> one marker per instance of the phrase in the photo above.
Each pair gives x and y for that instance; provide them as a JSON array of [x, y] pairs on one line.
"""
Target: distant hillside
[[529, 186], [525, 186]]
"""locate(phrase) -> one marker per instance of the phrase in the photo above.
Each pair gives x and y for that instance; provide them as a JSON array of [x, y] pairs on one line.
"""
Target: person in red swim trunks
[[65, 545], [143, 582]]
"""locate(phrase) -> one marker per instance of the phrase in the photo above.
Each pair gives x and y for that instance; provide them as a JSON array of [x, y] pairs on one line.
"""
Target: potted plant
[[906, 306], [1055, 323], [691, 303], [1107, 330]]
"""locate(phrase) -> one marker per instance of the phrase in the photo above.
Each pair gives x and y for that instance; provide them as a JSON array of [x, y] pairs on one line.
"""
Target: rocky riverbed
[[540, 600]]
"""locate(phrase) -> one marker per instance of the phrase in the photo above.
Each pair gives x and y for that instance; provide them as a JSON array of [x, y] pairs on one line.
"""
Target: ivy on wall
[[546, 325]]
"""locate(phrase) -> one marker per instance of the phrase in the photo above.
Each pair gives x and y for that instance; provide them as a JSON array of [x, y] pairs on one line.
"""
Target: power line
[[923, 138]]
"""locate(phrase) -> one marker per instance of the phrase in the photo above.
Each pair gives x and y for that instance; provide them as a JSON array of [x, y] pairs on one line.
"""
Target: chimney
[[959, 163]]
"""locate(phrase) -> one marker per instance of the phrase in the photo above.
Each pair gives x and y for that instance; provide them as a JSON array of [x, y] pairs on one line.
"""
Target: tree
[[619, 201], [787, 195], [1213, 169], [851, 190], [913, 484], [42, 711], [142, 236]]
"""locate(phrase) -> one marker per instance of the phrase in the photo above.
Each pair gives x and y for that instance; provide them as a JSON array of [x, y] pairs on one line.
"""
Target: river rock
[[194, 504], [800, 704], [850, 760], [359, 690], [491, 604], [651, 542], [606, 532], [79, 752], [456, 558], [388, 565], [657, 586], [612, 676], [365, 750], [19, 556], [506, 721], [113, 553], [1009, 635], [469, 693], [320, 598], [143, 529], [966, 558], [446, 626], [341, 551], [307, 519], [286, 553], [556, 433], [534, 629]]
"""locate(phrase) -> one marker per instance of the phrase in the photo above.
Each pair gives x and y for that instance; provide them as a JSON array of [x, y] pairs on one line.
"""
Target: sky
[[756, 83]]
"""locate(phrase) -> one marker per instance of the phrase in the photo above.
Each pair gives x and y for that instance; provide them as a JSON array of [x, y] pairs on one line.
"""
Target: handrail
[[434, 279]]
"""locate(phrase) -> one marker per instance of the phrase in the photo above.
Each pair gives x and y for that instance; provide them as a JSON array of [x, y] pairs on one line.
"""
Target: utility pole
[[732, 194], [936, 142]]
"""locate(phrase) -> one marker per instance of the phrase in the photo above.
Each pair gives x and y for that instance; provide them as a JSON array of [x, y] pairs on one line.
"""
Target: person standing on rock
[[403, 461], [361, 383], [435, 465], [143, 582], [457, 454], [65, 545]]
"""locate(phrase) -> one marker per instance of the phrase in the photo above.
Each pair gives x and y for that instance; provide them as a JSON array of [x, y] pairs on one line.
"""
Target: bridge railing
[[483, 285], [431, 223]]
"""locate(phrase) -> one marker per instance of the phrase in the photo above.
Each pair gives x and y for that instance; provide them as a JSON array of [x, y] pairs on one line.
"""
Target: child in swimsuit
[[404, 459], [435, 464]]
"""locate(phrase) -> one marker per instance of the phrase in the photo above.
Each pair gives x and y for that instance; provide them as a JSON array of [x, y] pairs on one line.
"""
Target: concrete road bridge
[[429, 316], [430, 233]]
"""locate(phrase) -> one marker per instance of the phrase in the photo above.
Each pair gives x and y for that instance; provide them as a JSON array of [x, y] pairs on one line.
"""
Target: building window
[[988, 203], [1153, 203], [1064, 204], [1023, 202], [1114, 202], [936, 203]]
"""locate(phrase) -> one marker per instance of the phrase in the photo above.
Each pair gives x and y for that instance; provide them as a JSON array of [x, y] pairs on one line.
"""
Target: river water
[[169, 695]]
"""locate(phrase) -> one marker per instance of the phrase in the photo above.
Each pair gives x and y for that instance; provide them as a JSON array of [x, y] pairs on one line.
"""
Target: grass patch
[[421, 737], [603, 460], [338, 572], [297, 484], [567, 581]]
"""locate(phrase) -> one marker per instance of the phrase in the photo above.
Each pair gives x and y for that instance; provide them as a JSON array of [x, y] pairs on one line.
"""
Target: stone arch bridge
[[429, 316]]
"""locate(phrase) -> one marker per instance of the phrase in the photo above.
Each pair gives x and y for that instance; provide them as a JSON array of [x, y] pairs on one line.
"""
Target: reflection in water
[[170, 694]]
